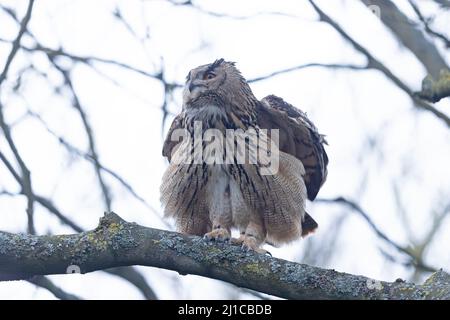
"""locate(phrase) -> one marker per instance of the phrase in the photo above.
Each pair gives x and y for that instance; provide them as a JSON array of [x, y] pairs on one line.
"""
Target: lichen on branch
[[434, 90]]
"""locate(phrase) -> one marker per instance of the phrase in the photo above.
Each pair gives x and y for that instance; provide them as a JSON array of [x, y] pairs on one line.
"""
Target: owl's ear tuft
[[220, 62], [216, 63]]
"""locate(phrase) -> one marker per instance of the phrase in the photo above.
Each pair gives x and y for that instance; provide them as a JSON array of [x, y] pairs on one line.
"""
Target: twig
[[416, 261], [75, 151], [410, 36], [190, 3], [10, 167], [373, 63], [308, 65], [89, 132], [25, 178], [426, 24], [26, 185], [128, 273], [136, 278], [443, 3], [51, 207], [45, 283], [16, 42]]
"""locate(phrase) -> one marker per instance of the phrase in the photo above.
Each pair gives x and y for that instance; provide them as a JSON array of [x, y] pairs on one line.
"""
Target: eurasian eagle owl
[[209, 192]]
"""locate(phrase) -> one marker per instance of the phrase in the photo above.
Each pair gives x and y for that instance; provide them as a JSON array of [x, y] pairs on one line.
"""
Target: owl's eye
[[209, 76]]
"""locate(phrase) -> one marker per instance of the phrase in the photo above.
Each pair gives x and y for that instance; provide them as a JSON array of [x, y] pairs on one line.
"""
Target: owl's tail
[[309, 225]]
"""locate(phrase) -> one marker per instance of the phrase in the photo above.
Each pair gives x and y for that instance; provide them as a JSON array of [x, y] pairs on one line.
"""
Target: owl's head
[[220, 79]]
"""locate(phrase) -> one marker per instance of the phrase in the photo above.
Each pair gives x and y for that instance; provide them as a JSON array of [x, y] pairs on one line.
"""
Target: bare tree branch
[[46, 283], [308, 65], [373, 63], [89, 133], [10, 167], [135, 278], [16, 42], [25, 178], [437, 84], [116, 242], [443, 3], [412, 38], [130, 274], [415, 259], [437, 223], [427, 27], [192, 4], [79, 153]]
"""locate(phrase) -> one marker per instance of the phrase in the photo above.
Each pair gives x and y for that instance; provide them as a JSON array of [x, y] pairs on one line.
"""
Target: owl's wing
[[298, 137], [168, 143]]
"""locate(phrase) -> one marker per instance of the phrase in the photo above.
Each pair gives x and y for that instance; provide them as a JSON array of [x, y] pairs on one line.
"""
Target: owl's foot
[[238, 241], [250, 243], [219, 234]]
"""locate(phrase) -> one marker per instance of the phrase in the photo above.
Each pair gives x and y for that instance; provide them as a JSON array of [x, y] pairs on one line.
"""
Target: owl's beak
[[192, 86], [193, 90]]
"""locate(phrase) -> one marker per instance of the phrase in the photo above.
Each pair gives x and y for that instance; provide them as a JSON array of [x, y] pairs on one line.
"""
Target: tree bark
[[116, 243]]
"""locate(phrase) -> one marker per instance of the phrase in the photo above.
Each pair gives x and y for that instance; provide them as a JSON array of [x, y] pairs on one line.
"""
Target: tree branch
[[309, 65], [426, 24], [411, 37], [89, 133], [136, 278], [437, 84], [416, 260], [25, 178], [46, 283], [130, 274], [443, 3], [228, 16], [373, 63], [116, 242], [16, 42]]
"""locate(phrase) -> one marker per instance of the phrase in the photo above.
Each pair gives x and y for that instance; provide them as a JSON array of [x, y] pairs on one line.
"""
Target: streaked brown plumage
[[211, 199]]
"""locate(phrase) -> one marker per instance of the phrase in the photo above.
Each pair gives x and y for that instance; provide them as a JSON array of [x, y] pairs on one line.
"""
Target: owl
[[236, 162]]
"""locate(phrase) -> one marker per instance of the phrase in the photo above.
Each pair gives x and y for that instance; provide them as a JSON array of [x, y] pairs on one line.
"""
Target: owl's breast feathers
[[297, 136], [281, 197]]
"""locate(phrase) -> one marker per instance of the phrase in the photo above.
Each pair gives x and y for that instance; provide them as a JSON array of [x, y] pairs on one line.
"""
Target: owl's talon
[[258, 250], [218, 235], [222, 239], [237, 241], [249, 243], [207, 237]]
